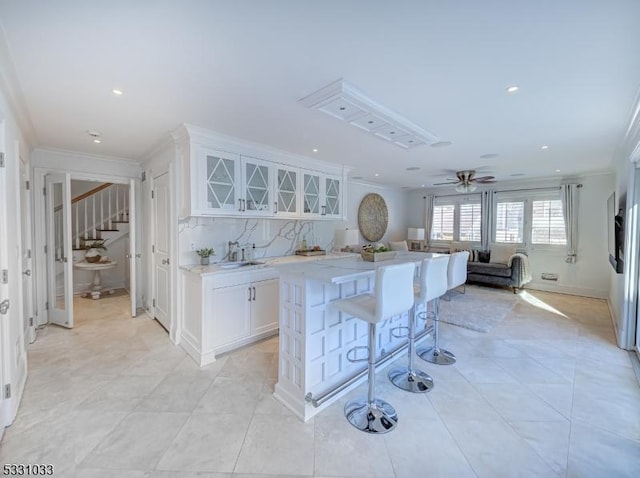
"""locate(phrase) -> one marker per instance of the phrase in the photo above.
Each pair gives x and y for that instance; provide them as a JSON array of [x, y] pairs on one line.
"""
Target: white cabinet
[[221, 176], [231, 184], [322, 195], [223, 311]]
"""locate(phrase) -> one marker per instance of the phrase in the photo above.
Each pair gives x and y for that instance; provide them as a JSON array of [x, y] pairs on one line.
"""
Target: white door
[[59, 263], [131, 253], [160, 251], [4, 290], [265, 305], [27, 278]]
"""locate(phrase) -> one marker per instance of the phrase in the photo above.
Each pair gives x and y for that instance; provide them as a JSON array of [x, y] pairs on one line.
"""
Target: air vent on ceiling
[[345, 102]]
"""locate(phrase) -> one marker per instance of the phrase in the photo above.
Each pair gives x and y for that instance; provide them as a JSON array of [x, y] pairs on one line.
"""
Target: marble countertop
[[346, 269], [230, 267]]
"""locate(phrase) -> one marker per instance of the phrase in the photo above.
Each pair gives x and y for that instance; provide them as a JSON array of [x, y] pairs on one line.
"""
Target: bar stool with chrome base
[[393, 296], [409, 378], [434, 283]]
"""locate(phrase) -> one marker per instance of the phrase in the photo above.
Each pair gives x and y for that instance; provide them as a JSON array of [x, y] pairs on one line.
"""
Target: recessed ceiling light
[[557, 170], [422, 185], [116, 92], [512, 89], [441, 144], [544, 146], [376, 175], [315, 150], [413, 168], [97, 141], [489, 156]]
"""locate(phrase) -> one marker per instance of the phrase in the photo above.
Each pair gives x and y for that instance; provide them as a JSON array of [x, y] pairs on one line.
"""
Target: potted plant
[[95, 249], [205, 255]]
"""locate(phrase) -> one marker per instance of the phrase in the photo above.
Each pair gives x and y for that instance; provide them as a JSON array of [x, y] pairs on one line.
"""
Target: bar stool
[[393, 296], [457, 272], [409, 378], [434, 283]]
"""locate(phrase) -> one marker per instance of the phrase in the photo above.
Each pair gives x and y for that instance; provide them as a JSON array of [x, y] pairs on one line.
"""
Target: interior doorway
[[91, 242]]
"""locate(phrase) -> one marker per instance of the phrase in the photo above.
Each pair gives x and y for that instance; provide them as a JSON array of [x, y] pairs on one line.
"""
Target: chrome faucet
[[233, 254]]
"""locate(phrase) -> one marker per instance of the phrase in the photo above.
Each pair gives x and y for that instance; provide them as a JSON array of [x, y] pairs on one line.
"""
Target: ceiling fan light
[[466, 188]]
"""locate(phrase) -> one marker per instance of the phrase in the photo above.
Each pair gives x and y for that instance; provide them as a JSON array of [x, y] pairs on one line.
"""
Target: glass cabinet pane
[[257, 184], [220, 182], [287, 191], [311, 194], [333, 196]]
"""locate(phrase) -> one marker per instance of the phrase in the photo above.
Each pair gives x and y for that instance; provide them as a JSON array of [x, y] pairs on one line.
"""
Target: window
[[547, 222], [442, 228], [529, 219], [510, 222], [456, 218]]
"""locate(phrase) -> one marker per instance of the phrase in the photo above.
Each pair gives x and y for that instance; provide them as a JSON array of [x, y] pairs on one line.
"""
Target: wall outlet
[[549, 276], [193, 246]]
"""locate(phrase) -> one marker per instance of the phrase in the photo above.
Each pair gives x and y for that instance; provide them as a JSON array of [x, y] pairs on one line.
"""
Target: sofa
[[501, 266]]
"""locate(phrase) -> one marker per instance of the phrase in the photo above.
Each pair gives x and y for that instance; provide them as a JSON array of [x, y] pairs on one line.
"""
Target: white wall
[[587, 277]]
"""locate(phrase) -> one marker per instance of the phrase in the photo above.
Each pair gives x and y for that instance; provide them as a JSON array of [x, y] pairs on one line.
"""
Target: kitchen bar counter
[[314, 338]]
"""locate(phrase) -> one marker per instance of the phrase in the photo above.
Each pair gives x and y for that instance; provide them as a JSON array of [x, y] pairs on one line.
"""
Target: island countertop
[[346, 269]]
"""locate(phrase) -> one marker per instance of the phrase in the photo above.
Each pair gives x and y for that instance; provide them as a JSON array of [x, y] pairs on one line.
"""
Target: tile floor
[[545, 393]]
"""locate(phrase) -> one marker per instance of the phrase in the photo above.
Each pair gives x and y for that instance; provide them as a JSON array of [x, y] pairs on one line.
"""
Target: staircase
[[98, 214]]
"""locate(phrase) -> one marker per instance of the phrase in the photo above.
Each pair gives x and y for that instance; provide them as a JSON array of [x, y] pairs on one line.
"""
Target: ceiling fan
[[467, 180]]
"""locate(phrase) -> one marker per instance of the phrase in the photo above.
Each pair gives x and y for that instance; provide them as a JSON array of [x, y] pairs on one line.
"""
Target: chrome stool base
[[376, 417], [415, 381], [436, 355]]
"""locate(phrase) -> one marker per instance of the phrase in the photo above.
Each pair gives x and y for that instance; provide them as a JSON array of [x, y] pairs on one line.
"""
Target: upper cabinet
[[222, 176]]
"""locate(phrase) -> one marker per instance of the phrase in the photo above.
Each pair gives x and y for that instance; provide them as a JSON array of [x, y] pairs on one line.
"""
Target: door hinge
[[144, 176], [152, 194], [44, 191], [30, 321], [154, 302], [1, 160], [45, 248], [28, 253], [46, 305], [7, 391], [27, 185], [153, 248], [5, 276]]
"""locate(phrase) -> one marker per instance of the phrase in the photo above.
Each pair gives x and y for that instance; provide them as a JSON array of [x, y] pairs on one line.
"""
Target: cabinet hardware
[[244, 204], [239, 204], [324, 211], [275, 207], [254, 293], [165, 261], [4, 307], [249, 288]]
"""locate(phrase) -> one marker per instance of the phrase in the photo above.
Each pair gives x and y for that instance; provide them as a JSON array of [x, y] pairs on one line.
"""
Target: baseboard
[[563, 289]]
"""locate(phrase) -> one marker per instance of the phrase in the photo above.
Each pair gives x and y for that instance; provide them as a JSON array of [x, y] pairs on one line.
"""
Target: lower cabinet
[[224, 311]]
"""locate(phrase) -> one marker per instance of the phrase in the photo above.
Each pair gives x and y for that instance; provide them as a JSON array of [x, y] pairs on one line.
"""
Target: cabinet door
[[219, 182], [257, 190], [332, 204], [287, 200], [265, 306], [310, 194], [231, 308]]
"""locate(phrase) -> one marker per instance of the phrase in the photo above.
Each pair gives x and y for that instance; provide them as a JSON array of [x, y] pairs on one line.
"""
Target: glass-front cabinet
[[322, 195], [287, 200], [234, 185]]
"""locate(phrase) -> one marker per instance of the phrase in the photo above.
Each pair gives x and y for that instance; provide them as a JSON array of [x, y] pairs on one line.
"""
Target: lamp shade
[[415, 234], [346, 237]]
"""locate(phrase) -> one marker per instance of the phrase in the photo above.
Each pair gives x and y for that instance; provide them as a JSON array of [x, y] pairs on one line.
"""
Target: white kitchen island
[[314, 339]]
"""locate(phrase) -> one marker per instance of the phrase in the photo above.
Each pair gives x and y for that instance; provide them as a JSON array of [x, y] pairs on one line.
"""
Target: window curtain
[[429, 200], [486, 218], [570, 212]]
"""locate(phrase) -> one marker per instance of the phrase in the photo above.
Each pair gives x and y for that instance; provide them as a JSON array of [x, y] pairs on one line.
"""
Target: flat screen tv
[[616, 234]]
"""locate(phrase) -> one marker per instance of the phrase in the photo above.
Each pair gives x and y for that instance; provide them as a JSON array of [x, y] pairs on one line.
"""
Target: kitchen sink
[[236, 265]]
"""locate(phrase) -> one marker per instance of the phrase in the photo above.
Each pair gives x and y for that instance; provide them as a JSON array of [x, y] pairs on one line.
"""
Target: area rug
[[479, 308]]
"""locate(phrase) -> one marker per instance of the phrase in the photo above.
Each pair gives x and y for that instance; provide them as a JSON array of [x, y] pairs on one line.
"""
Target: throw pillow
[[500, 253], [398, 245], [484, 256]]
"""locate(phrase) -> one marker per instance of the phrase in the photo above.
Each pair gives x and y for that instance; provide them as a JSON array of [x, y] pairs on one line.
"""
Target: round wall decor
[[373, 217]]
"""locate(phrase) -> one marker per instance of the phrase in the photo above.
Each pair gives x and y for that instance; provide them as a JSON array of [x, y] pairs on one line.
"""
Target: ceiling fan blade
[[487, 181], [484, 178], [450, 182]]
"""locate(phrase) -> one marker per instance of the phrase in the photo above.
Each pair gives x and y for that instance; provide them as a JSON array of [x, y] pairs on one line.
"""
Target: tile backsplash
[[272, 237]]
